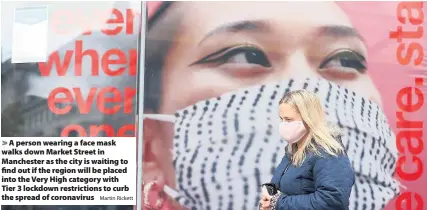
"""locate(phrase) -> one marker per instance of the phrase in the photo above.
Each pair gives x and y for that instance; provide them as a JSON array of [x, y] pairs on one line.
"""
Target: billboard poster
[[214, 75], [215, 72]]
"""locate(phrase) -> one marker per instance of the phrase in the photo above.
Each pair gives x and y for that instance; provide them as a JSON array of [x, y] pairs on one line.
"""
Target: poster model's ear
[[157, 155], [154, 171]]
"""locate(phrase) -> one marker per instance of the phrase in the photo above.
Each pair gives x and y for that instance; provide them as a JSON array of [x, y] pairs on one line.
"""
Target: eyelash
[[224, 55], [347, 59], [350, 58]]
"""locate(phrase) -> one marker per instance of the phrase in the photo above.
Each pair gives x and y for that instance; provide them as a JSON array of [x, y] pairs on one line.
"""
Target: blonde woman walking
[[315, 172]]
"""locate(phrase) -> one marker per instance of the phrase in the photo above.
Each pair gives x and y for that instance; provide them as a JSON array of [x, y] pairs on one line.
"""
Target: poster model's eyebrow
[[339, 31], [262, 26], [258, 26]]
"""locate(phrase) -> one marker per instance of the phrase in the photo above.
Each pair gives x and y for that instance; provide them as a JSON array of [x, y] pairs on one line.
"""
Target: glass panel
[[82, 52]]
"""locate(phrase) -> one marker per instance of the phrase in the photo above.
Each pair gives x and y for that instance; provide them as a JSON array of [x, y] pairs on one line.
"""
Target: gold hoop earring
[[159, 200]]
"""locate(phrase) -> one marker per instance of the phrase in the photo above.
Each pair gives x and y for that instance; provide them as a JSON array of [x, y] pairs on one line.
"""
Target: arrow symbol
[[4, 143]]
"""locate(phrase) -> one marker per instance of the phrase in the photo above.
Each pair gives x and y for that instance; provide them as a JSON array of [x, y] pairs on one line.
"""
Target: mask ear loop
[[160, 117], [171, 192]]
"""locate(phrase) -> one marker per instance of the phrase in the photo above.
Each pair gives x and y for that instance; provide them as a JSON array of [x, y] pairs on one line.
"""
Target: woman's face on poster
[[224, 46]]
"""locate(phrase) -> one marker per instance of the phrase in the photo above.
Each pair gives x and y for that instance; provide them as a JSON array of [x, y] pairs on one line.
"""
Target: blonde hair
[[320, 134]]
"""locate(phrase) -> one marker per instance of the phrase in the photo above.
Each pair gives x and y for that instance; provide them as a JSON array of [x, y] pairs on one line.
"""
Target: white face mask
[[226, 147]]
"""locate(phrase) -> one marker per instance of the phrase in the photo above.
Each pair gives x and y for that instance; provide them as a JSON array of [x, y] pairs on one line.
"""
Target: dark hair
[[161, 30]]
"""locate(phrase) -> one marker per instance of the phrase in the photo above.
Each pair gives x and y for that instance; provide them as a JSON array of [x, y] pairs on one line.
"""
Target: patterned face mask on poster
[[226, 147]]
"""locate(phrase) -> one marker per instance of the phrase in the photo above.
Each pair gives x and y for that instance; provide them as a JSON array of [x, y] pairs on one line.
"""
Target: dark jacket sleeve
[[334, 179]]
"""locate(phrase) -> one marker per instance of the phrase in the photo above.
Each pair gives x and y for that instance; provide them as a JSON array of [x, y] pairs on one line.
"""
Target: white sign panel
[[68, 171]]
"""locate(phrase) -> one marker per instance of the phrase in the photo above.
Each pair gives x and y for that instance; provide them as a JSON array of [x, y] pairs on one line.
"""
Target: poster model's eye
[[345, 61], [238, 54]]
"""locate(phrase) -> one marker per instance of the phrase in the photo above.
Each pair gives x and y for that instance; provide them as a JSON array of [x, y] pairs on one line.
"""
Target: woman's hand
[[265, 204], [265, 200]]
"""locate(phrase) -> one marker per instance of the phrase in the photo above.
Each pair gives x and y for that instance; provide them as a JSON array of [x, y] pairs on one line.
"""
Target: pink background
[[375, 20]]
